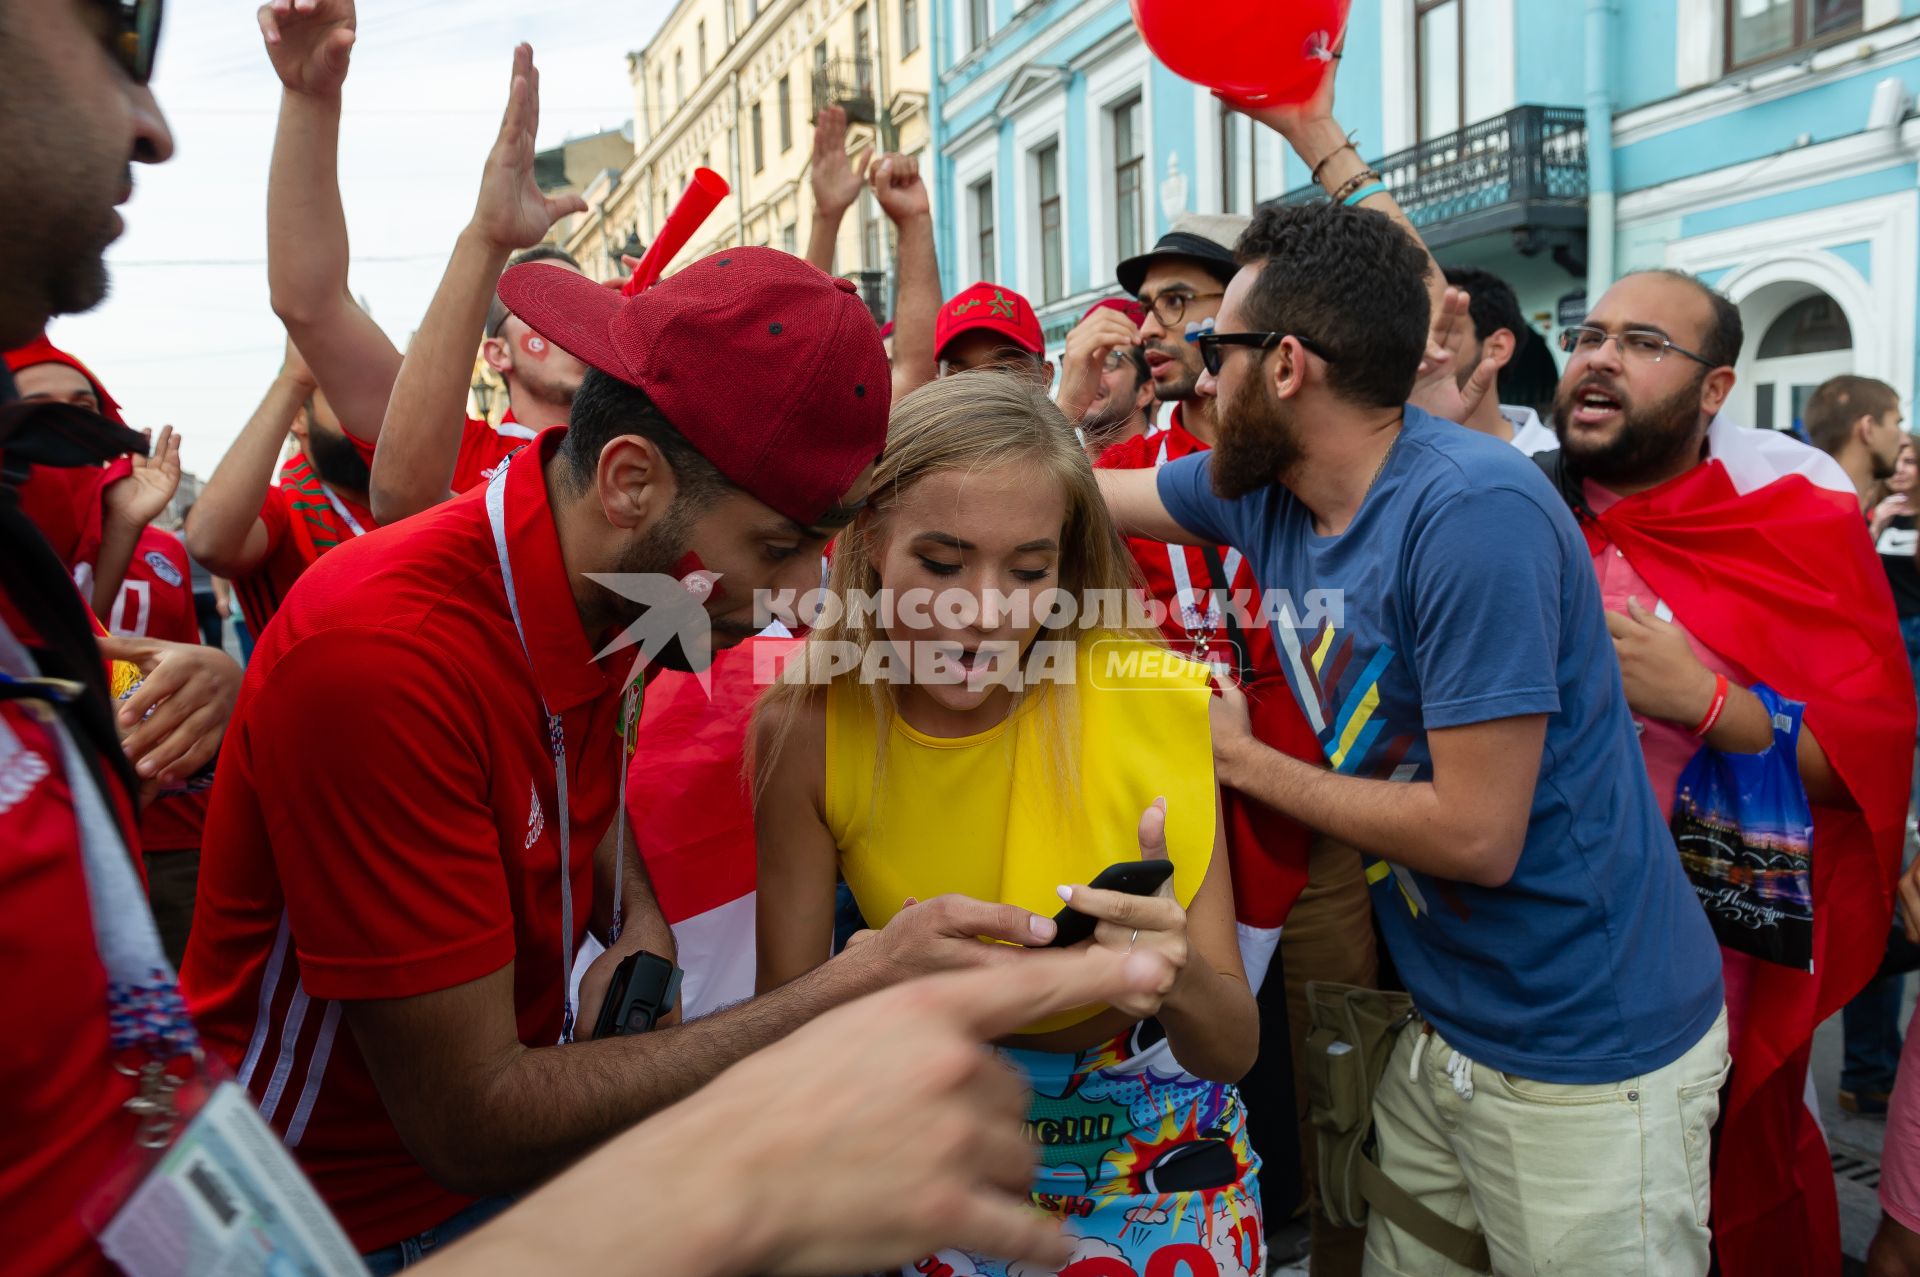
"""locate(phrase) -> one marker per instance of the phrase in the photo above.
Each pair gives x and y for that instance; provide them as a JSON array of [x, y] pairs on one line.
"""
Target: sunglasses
[[1213, 355], [135, 34]]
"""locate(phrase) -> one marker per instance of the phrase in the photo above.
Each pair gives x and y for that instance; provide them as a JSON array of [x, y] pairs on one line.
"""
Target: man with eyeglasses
[[1735, 562]]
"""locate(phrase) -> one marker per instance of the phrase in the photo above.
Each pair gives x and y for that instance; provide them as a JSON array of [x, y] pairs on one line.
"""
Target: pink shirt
[[1668, 747], [1900, 1168]]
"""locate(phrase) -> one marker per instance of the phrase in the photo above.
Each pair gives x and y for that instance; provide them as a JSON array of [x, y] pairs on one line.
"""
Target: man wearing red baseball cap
[[987, 326], [1105, 388], [383, 943]]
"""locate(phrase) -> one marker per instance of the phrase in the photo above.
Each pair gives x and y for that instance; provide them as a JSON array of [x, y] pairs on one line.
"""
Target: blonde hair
[[971, 421]]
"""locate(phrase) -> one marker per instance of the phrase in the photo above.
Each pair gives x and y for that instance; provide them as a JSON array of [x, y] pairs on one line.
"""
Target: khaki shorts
[[1609, 1179]]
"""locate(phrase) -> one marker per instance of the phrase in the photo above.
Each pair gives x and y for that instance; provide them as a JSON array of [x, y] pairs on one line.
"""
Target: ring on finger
[[1132, 939]]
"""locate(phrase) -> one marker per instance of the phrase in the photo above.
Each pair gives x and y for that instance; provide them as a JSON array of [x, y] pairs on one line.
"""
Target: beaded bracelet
[[1354, 183]]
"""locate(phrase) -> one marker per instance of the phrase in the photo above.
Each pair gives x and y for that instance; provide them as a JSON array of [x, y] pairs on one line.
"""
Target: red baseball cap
[[42, 351], [1125, 305], [992, 307], [770, 368]]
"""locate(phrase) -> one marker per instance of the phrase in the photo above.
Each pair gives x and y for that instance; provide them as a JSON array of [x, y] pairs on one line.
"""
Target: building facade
[[733, 85], [1763, 144]]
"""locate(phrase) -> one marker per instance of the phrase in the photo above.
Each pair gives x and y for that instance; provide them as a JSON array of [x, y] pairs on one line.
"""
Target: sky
[[186, 336]]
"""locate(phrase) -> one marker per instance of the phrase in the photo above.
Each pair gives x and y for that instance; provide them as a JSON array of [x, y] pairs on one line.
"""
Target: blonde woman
[[977, 732]]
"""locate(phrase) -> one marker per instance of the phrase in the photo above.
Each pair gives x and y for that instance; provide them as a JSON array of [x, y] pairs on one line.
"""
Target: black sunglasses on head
[[135, 35], [1213, 356]]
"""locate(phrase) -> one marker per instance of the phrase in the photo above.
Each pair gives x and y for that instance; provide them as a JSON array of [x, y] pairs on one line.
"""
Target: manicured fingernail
[[1065, 893], [1042, 928]]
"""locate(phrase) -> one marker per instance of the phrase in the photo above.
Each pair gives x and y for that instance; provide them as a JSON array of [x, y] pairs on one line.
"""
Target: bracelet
[[1715, 706], [1326, 159], [1353, 184], [1365, 193]]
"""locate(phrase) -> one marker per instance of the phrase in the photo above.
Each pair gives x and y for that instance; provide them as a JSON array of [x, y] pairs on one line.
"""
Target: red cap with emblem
[[992, 307], [772, 369]]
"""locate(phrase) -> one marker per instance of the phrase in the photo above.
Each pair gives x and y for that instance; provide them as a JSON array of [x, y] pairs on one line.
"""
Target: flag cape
[[693, 820], [1762, 554]]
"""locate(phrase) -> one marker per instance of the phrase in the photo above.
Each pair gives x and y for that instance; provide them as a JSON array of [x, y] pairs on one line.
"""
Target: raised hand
[[1438, 387], [1292, 120], [512, 211], [836, 182], [1085, 360], [896, 183], [309, 42], [138, 499]]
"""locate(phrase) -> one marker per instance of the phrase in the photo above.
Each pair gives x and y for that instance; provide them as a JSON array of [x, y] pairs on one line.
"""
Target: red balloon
[[1262, 52]]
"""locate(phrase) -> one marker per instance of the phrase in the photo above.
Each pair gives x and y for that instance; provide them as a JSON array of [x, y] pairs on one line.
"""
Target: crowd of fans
[[1454, 818]]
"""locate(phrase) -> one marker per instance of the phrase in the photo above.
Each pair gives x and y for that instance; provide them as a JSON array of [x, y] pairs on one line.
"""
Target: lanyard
[[346, 515], [145, 1011], [1200, 626], [557, 746]]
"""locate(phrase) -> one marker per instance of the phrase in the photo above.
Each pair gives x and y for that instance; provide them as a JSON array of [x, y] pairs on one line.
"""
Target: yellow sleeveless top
[[986, 816]]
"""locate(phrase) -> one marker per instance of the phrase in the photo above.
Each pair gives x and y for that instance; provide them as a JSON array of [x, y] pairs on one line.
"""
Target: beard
[[1259, 441], [335, 459], [1651, 441], [1108, 420], [656, 553], [1883, 467]]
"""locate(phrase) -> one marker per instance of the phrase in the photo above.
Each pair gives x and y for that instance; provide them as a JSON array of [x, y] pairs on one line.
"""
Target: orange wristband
[[1715, 706]]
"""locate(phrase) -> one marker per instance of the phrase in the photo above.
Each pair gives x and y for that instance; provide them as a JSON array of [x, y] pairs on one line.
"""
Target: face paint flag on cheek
[[534, 345], [703, 584]]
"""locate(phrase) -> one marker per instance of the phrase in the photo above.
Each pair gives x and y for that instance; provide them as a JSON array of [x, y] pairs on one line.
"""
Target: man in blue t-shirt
[[1480, 753]]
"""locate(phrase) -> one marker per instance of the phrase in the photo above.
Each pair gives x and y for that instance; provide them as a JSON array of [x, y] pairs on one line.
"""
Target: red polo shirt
[[385, 824]]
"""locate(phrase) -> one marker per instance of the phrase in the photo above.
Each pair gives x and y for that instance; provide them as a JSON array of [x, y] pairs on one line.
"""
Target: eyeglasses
[[1214, 357], [1171, 307], [1642, 345], [134, 35]]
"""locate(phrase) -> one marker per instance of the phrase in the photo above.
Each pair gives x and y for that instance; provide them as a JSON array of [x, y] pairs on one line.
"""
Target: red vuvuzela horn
[[704, 194]]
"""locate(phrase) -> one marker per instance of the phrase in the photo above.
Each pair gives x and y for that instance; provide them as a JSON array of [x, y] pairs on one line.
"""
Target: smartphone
[[1134, 877]]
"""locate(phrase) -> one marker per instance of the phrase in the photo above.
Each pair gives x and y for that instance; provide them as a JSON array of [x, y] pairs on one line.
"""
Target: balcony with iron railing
[[847, 83], [1524, 172]]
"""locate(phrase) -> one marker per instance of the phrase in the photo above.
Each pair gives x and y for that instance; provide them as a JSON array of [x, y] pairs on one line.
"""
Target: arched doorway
[[1804, 344]]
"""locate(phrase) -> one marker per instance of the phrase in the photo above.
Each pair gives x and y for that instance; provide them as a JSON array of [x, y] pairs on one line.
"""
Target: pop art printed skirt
[[1146, 1165]]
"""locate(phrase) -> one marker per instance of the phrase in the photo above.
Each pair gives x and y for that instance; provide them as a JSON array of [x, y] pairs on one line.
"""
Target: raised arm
[[224, 529], [903, 196], [835, 182], [1133, 499], [1336, 163], [307, 252], [420, 440]]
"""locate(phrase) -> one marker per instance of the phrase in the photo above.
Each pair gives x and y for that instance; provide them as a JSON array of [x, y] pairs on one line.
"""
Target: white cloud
[[196, 346], [1084, 1248]]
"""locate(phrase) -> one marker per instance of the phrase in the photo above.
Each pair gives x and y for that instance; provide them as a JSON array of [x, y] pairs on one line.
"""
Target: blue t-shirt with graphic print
[[1463, 592]]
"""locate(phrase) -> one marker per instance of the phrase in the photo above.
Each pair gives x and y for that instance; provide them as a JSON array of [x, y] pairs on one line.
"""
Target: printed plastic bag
[[1745, 835]]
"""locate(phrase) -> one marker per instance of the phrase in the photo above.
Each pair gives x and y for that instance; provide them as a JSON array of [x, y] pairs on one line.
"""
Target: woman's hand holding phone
[[1131, 923]]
